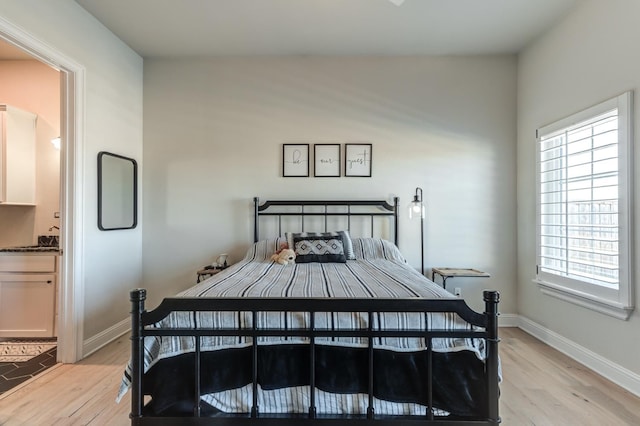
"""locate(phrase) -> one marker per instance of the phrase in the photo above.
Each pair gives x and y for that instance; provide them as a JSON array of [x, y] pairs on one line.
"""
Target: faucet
[[53, 227]]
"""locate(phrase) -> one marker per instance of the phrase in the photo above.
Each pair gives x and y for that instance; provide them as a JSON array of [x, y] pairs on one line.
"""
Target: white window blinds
[[584, 205], [579, 201]]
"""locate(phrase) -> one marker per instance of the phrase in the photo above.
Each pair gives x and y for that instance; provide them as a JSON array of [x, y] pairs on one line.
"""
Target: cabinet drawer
[[27, 263]]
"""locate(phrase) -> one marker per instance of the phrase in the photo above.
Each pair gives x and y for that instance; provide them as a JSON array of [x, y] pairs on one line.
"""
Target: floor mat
[[14, 372], [23, 350]]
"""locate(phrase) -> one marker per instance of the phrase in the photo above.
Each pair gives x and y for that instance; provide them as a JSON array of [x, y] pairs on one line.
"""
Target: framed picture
[[295, 160], [357, 159], [326, 159]]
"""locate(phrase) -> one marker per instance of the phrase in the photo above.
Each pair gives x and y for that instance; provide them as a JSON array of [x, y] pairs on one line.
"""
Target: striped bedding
[[379, 270], [296, 400]]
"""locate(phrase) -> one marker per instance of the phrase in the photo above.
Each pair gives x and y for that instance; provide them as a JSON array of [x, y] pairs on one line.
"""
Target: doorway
[[70, 294]]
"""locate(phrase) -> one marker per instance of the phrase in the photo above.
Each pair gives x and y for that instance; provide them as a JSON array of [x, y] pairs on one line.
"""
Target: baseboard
[[508, 320], [105, 337], [614, 372]]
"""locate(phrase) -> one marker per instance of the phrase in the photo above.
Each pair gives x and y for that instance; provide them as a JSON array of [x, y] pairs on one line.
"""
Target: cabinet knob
[[49, 281]]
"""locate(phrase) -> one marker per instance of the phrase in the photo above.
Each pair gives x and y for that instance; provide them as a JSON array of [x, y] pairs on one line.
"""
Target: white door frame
[[72, 107]]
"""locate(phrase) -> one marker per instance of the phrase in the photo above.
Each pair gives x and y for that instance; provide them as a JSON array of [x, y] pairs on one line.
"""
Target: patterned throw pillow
[[346, 240], [318, 248]]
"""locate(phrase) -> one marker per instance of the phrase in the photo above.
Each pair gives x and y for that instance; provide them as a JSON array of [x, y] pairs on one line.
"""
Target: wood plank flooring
[[541, 387]]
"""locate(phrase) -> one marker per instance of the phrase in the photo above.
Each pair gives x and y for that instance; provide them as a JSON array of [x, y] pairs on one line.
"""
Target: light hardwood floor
[[540, 387]]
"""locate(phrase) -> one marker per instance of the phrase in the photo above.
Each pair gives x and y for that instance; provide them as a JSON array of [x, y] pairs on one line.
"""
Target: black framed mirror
[[117, 192]]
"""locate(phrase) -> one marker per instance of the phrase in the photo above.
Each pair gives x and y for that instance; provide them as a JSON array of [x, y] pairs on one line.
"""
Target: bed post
[[137, 298], [256, 201], [396, 201], [491, 299]]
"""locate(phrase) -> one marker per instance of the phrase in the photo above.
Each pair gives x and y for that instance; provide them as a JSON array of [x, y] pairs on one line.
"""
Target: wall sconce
[[56, 142], [416, 210]]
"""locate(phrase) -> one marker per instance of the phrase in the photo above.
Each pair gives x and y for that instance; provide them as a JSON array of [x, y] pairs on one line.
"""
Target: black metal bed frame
[[486, 327], [384, 209]]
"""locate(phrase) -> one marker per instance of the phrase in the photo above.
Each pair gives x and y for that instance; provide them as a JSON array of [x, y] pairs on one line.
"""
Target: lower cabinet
[[27, 296], [27, 305]]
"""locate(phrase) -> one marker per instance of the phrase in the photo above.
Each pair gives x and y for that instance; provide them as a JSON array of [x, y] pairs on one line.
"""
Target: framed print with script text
[[326, 160], [357, 159], [295, 160]]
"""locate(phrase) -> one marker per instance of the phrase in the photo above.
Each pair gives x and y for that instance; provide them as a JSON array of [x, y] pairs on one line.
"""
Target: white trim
[[71, 289], [508, 320], [627, 252], [105, 337], [616, 302], [606, 368], [586, 300], [73, 222]]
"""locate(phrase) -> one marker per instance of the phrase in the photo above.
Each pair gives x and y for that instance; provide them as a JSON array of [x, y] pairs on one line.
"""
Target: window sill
[[601, 305]]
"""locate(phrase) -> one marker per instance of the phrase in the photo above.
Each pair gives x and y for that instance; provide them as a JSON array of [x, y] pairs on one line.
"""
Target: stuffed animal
[[284, 256]]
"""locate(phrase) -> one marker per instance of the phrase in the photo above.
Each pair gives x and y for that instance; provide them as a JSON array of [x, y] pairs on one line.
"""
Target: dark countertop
[[31, 249]]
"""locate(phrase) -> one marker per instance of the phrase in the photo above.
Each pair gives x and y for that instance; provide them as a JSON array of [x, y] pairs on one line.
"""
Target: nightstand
[[446, 273], [208, 271]]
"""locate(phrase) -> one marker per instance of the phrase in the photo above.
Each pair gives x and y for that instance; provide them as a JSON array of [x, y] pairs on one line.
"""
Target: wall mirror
[[117, 192]]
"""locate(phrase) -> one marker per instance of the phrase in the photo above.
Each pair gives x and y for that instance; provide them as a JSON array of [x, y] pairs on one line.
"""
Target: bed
[[350, 332]]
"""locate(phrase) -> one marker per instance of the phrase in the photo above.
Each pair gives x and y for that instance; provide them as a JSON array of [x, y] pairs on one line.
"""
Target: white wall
[[213, 135], [112, 261], [590, 57]]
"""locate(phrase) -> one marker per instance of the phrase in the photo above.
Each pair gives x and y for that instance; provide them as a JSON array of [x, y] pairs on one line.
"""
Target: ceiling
[[198, 28]]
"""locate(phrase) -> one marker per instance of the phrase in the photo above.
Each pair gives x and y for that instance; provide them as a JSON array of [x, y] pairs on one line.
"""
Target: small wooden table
[[208, 271], [446, 273]]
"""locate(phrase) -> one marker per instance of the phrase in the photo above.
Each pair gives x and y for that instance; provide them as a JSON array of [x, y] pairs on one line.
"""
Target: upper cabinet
[[17, 156]]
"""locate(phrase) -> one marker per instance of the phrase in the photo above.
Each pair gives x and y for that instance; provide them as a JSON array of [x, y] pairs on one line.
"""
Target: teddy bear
[[283, 245], [285, 255]]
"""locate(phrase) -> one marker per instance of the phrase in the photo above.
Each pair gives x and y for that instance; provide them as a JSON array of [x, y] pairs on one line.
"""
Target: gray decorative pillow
[[318, 248], [346, 240]]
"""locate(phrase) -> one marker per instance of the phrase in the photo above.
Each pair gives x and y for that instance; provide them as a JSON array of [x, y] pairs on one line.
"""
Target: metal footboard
[[486, 327]]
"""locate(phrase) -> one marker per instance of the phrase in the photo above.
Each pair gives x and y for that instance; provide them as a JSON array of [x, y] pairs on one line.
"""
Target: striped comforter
[[379, 270]]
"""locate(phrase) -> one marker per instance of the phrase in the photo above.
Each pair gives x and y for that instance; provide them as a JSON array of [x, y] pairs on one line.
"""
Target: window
[[584, 208]]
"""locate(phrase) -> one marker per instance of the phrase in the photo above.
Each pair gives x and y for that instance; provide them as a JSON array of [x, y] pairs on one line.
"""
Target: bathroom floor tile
[[14, 373]]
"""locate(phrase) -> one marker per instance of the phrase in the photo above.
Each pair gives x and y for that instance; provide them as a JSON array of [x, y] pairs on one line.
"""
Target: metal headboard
[[275, 208]]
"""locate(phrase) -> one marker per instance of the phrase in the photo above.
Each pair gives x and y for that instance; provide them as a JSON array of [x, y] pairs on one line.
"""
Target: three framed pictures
[[327, 160]]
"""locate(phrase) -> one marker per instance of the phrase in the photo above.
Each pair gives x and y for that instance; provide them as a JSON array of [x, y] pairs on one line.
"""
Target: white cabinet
[[17, 156], [27, 295]]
